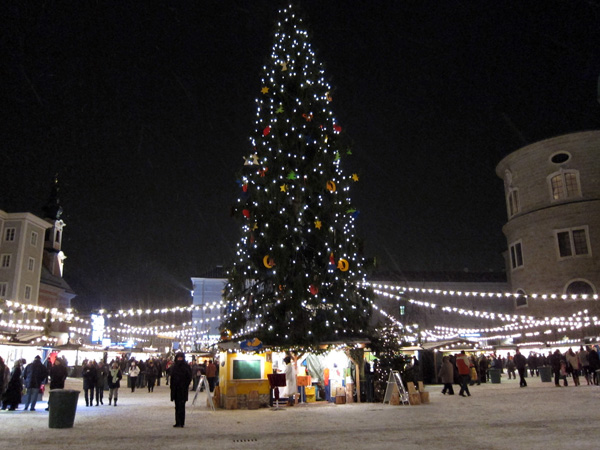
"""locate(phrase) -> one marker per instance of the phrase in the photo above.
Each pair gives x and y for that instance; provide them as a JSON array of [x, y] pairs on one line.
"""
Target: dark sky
[[144, 110]]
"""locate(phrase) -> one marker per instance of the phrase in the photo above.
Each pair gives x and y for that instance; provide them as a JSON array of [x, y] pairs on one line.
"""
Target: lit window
[[34, 238], [573, 242], [27, 292], [10, 234], [565, 185], [31, 264], [516, 256], [512, 201], [5, 261]]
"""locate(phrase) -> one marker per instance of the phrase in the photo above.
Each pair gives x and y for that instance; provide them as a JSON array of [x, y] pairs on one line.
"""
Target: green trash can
[[546, 374], [495, 375], [62, 405]]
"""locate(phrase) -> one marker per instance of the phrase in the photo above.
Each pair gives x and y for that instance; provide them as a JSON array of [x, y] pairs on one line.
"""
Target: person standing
[[181, 377], [4, 378], [151, 374], [14, 390], [520, 364], [462, 364], [90, 375], [290, 381], [211, 375], [58, 374], [114, 382], [572, 365], [101, 382], [134, 372], [555, 359], [584, 363], [35, 374], [446, 375]]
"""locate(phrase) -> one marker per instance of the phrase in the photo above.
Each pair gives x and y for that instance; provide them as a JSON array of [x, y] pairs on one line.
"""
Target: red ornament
[[266, 131], [314, 290], [337, 128], [245, 187], [246, 213]]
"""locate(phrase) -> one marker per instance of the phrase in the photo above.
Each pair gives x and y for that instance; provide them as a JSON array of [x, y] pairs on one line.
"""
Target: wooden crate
[[340, 399], [414, 399], [424, 397], [395, 398]]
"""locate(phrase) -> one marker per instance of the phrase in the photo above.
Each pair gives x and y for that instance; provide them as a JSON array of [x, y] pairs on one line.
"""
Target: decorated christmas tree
[[297, 279]]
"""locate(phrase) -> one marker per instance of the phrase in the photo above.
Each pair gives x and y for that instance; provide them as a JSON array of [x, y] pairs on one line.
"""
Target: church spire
[[52, 210]]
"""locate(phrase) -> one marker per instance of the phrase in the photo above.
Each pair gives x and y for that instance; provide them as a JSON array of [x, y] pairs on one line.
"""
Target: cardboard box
[[414, 399], [424, 397], [340, 399]]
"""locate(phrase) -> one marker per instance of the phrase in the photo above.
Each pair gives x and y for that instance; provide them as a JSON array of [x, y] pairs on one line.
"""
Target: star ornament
[[318, 224], [283, 188], [284, 66], [354, 177], [265, 90]]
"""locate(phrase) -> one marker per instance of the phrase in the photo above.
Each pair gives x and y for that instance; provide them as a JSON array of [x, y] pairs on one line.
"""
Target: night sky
[[144, 110]]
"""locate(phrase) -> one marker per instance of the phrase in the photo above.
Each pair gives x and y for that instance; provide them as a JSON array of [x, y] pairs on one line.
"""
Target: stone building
[[552, 191]]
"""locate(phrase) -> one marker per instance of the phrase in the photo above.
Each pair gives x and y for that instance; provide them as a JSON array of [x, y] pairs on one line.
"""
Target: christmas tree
[[297, 279]]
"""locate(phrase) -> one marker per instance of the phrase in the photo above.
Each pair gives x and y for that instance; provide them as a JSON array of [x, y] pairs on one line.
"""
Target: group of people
[[31, 377], [467, 370]]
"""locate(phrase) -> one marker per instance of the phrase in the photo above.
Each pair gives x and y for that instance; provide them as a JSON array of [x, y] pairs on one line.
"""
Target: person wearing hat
[[181, 377], [35, 374]]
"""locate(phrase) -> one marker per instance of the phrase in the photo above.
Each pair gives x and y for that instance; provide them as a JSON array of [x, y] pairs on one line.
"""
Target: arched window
[[521, 300], [580, 287], [564, 184]]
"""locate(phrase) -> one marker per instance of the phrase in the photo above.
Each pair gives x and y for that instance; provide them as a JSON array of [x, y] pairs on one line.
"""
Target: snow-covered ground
[[496, 416]]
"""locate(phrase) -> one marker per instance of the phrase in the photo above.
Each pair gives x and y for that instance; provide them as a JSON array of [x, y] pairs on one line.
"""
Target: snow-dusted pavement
[[496, 416]]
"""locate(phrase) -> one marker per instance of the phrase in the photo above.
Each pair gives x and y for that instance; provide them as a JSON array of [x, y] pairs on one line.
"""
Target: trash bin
[[62, 405], [494, 375], [546, 374]]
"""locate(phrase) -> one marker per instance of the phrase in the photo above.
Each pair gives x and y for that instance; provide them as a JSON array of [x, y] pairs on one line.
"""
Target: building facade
[[21, 256], [552, 191]]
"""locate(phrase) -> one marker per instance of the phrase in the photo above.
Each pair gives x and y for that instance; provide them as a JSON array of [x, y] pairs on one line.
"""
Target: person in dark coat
[[521, 364], [555, 359], [12, 396], [102, 374], [35, 374], [151, 374], [90, 376], [181, 377], [114, 382], [58, 374]]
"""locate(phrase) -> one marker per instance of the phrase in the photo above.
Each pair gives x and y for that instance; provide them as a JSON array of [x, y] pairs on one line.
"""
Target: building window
[[9, 234], [34, 238], [512, 202], [516, 255], [573, 242], [565, 184], [27, 292], [3, 289], [521, 299], [57, 237], [5, 261], [579, 287], [31, 264]]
